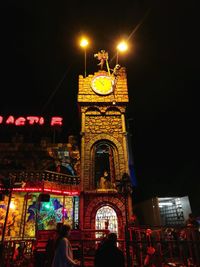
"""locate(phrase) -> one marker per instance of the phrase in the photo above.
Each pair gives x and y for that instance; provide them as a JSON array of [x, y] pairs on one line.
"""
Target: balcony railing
[[16, 178]]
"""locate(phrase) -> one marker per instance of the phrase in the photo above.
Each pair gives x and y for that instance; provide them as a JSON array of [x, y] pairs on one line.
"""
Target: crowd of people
[[108, 254], [59, 251]]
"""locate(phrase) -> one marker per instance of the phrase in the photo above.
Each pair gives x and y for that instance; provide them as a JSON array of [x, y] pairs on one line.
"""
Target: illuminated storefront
[[48, 169], [27, 214]]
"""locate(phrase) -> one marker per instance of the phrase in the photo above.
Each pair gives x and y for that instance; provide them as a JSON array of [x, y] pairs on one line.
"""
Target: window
[[104, 161], [106, 218]]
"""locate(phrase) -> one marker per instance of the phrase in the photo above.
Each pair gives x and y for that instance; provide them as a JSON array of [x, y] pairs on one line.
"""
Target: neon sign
[[47, 190], [30, 120]]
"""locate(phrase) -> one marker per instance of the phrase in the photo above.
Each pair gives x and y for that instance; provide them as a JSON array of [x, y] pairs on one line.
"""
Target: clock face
[[102, 84]]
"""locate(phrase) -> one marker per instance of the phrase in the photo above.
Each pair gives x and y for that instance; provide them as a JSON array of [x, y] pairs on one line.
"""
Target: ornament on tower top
[[102, 56]]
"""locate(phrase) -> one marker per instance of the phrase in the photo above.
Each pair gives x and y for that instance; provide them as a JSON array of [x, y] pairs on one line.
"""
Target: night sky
[[41, 60]]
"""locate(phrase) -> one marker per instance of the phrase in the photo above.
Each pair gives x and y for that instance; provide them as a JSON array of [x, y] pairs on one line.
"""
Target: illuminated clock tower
[[103, 98]]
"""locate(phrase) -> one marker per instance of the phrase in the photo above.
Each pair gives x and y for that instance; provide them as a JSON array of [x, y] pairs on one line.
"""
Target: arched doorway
[[106, 218]]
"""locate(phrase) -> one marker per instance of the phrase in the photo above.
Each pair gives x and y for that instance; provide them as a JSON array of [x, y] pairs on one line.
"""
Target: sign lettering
[[30, 120]]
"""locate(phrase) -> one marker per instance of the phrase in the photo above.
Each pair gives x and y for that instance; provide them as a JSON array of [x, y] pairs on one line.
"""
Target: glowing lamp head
[[122, 46], [84, 42]]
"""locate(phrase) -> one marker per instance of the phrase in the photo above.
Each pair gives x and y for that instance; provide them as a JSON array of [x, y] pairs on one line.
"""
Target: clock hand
[[101, 82]]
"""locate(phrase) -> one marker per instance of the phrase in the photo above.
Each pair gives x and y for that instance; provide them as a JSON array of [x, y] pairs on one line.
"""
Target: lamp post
[[125, 188], [84, 43], [121, 47]]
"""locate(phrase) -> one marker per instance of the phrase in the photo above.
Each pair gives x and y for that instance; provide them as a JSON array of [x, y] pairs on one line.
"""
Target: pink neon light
[[27, 189], [10, 120], [35, 120], [20, 121], [52, 190], [41, 121], [56, 121], [31, 120], [34, 189]]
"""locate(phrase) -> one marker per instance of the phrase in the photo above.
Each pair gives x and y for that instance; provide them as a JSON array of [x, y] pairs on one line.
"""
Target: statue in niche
[[104, 182]]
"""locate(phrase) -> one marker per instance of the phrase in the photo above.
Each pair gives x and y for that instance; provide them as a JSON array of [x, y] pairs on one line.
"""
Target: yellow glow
[[12, 205], [84, 42], [122, 46]]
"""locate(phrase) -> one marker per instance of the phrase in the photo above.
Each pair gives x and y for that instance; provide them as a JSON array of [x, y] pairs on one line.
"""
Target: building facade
[[46, 184]]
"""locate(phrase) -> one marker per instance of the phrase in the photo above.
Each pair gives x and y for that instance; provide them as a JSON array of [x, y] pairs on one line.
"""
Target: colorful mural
[[66, 157], [27, 215], [62, 158]]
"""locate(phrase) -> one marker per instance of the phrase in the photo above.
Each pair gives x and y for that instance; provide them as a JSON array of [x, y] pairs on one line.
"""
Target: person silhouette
[[108, 254], [63, 252]]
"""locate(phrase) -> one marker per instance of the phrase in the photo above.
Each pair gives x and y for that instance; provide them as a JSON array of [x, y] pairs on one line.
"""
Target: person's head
[[59, 227], [105, 173], [65, 230], [112, 238]]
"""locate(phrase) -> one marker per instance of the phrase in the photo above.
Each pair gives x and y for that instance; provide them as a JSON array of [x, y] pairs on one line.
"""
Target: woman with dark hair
[[63, 254]]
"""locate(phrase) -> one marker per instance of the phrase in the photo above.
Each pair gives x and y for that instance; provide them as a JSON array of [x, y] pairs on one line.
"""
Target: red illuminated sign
[[53, 191], [30, 120]]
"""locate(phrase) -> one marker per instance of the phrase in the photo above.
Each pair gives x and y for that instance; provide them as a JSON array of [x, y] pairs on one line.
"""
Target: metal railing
[[15, 177], [172, 246], [175, 245]]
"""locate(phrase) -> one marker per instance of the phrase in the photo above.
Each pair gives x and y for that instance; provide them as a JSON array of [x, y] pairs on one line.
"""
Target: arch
[[117, 154], [108, 137], [93, 110], [106, 218], [111, 110], [114, 202]]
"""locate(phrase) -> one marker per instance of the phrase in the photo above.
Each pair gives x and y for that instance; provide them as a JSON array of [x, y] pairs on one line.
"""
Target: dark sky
[[41, 61]]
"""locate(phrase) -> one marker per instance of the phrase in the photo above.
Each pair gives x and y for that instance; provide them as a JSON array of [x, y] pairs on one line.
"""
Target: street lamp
[[121, 47], [84, 43], [124, 187]]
